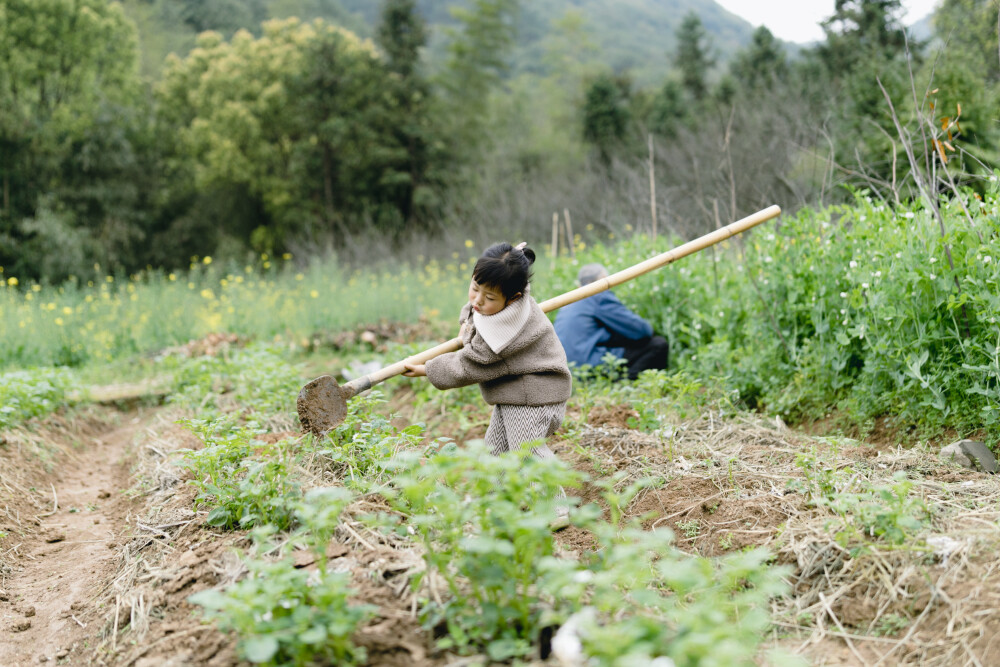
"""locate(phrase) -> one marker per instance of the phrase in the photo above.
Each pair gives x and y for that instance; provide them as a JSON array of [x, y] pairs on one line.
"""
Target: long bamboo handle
[[361, 384], [663, 259]]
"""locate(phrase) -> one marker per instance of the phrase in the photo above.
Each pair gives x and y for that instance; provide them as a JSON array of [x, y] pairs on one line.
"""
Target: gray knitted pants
[[513, 425]]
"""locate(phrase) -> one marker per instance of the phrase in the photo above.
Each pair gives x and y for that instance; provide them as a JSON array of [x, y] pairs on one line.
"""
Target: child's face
[[485, 299]]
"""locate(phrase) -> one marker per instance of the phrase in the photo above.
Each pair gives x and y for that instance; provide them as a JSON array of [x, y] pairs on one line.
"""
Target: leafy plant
[[357, 449], [35, 393], [289, 616], [637, 598], [244, 481], [885, 512], [484, 523]]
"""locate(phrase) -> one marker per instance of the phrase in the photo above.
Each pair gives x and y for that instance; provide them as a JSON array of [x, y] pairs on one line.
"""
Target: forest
[[263, 132]]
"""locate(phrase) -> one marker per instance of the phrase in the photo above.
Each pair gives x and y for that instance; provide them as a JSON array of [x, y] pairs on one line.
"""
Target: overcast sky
[[798, 20]]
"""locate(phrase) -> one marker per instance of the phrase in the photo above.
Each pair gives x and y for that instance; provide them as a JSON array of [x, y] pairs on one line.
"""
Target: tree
[[225, 16], [669, 111], [477, 62], [68, 77], [302, 120], [860, 31], [971, 26], [605, 114], [762, 64], [692, 56], [402, 35]]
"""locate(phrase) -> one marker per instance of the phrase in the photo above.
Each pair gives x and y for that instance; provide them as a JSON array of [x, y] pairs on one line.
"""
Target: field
[[775, 498]]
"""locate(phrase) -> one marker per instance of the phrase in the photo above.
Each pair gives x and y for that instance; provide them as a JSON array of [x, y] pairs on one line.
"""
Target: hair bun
[[530, 254]]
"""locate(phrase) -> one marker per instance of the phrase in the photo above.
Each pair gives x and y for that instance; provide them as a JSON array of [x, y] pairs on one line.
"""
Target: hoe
[[322, 404]]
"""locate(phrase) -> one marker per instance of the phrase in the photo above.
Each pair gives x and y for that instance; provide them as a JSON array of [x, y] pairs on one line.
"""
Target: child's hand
[[464, 328], [415, 370]]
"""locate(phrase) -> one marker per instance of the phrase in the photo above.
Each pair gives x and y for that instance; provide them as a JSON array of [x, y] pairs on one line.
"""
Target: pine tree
[[693, 57]]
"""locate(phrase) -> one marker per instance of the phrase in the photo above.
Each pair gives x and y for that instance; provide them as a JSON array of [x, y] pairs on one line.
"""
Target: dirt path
[[48, 611]]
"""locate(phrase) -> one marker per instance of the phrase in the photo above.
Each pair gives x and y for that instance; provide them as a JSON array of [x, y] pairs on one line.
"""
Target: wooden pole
[[555, 239], [361, 384], [570, 240], [652, 186], [688, 248]]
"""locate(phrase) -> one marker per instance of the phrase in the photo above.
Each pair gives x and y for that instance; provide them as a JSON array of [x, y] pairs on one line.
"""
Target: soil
[[48, 609], [104, 546]]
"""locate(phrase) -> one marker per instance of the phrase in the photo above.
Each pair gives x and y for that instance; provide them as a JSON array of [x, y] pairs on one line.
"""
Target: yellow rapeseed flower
[[207, 294], [59, 321], [172, 277], [468, 243], [36, 288], [207, 260], [67, 310], [299, 276], [12, 281], [286, 256], [314, 294]]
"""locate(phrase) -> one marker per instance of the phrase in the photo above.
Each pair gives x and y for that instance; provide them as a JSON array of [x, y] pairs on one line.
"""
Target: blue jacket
[[583, 327]]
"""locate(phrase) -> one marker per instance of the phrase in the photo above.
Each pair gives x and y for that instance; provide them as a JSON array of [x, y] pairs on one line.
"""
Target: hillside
[[633, 35]]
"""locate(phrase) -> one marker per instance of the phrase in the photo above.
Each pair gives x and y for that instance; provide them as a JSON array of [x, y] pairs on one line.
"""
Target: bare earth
[[67, 555]]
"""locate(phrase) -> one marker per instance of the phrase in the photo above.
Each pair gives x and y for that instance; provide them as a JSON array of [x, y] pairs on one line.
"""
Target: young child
[[510, 350]]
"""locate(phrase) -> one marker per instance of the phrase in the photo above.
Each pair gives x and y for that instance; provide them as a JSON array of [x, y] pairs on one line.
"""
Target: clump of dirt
[[211, 345], [614, 416], [375, 336]]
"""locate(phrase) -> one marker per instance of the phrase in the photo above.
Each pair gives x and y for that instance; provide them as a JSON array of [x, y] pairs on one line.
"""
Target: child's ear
[[514, 298]]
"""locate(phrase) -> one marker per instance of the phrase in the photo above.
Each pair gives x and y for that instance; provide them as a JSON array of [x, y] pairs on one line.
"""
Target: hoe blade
[[322, 405]]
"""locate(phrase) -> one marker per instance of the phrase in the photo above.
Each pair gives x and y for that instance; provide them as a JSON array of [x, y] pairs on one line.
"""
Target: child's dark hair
[[505, 267]]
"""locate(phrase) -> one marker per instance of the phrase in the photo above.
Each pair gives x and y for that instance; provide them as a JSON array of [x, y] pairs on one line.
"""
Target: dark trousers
[[643, 354]]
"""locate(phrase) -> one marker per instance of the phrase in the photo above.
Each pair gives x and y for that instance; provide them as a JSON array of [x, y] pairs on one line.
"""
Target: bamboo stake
[[570, 240], [555, 239], [652, 187]]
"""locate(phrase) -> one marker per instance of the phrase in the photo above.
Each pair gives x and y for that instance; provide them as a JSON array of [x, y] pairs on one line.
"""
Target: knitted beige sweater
[[529, 368]]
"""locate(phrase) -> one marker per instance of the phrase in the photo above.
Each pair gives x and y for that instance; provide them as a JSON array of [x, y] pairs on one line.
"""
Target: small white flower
[[583, 576], [844, 323], [878, 274], [853, 264], [908, 215], [987, 259], [933, 276], [933, 259], [843, 295], [863, 218], [898, 255], [864, 285], [843, 311], [697, 326]]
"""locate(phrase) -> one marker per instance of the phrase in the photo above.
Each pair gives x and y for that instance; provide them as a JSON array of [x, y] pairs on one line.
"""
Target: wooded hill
[[634, 35]]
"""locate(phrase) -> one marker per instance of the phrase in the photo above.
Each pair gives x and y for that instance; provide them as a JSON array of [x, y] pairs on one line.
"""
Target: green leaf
[[259, 649], [218, 517]]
